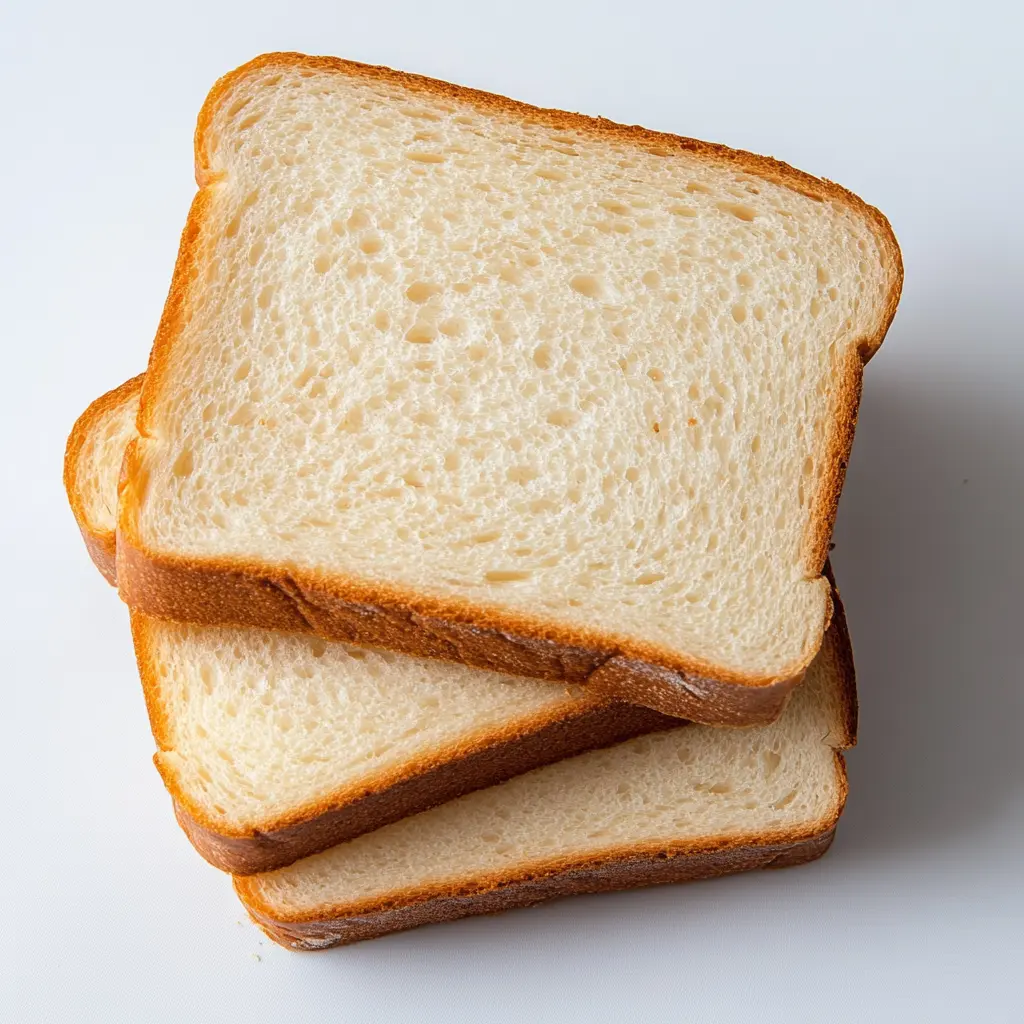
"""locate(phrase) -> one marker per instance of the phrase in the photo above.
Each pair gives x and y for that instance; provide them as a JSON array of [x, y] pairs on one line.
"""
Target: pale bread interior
[[695, 786], [99, 462], [256, 727], [455, 350], [261, 727]]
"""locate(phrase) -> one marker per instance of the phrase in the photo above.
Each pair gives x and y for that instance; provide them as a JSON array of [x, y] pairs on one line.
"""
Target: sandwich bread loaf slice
[[275, 746], [688, 803], [458, 377], [92, 461]]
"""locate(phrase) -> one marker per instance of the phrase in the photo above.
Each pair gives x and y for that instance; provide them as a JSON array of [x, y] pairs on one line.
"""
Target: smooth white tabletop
[[917, 914]]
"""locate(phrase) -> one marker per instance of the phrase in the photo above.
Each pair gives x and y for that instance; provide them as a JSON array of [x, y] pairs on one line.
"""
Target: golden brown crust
[[840, 444], [415, 785], [624, 869], [236, 592], [629, 867], [103, 552], [843, 662], [99, 541]]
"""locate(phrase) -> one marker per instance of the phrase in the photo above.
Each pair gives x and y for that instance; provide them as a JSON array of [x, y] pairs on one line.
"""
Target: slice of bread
[[448, 374], [727, 825], [274, 747], [683, 804], [92, 461]]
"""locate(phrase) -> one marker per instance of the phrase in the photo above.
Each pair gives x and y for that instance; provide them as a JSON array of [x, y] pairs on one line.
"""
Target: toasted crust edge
[[444, 773], [416, 786], [236, 592], [99, 541], [845, 668], [625, 868]]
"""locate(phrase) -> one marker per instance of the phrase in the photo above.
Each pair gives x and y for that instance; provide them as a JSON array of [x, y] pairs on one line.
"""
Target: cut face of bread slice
[[92, 461], [687, 803], [275, 746], [450, 375]]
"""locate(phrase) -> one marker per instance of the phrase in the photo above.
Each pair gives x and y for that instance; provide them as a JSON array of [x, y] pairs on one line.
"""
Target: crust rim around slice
[[223, 592], [627, 868], [227, 591], [444, 773]]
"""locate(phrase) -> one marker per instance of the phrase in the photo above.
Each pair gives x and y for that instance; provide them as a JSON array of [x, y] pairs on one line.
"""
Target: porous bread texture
[[835, 704], [274, 746], [520, 362], [256, 727], [116, 427], [678, 792], [92, 462]]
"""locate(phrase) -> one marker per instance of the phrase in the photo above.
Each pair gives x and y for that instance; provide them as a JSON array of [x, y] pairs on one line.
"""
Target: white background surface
[[917, 914]]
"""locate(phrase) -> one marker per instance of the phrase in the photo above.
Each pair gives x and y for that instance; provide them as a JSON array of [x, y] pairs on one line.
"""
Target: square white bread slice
[[688, 803], [276, 746], [451, 375]]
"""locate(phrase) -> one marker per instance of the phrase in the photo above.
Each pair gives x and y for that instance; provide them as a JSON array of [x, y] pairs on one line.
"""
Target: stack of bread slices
[[473, 512]]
